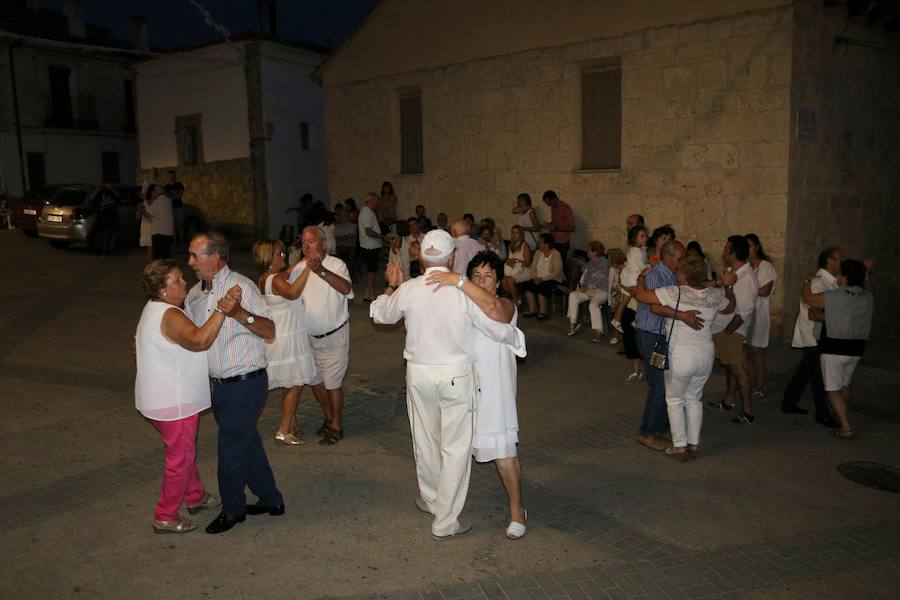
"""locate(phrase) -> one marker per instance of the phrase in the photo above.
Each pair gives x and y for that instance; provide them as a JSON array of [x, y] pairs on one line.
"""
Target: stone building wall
[[705, 133], [845, 171], [227, 189]]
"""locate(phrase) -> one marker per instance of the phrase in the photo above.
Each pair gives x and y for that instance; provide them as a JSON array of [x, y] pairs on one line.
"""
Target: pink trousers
[[181, 480]]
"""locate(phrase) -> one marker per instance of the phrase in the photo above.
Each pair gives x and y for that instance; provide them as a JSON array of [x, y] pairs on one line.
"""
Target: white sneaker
[[617, 326], [613, 341], [634, 377]]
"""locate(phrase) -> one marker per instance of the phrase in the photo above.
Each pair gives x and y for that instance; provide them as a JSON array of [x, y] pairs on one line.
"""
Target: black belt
[[241, 377], [335, 330]]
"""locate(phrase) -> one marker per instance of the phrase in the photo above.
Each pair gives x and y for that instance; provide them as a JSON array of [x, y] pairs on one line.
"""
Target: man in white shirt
[[440, 378], [370, 241], [806, 337], [466, 247], [323, 284], [730, 331]]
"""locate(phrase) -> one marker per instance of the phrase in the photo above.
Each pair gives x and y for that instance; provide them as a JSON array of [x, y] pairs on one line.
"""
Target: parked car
[[29, 208], [72, 217]]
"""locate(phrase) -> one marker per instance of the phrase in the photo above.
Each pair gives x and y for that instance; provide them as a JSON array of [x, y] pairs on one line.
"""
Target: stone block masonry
[[222, 189], [705, 133]]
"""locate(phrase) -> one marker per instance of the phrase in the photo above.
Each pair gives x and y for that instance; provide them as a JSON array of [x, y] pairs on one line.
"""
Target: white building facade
[[242, 123], [66, 103]]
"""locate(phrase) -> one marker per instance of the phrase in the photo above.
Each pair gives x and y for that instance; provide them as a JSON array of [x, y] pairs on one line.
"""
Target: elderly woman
[[290, 360], [691, 352], [496, 419], [546, 274], [172, 388], [593, 288]]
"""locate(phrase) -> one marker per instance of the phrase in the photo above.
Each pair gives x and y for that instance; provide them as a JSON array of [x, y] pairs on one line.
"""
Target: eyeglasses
[[198, 254]]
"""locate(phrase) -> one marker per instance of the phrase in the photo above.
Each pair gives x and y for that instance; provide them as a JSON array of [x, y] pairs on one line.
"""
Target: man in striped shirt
[[561, 223], [237, 367]]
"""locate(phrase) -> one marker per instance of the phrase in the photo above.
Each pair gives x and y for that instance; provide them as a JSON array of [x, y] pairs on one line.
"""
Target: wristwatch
[[250, 320], [462, 280], [323, 273]]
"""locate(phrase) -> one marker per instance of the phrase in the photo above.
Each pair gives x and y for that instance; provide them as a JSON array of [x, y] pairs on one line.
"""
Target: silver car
[[72, 216]]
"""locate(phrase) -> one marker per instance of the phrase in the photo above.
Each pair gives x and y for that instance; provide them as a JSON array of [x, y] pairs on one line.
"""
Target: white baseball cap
[[437, 245]]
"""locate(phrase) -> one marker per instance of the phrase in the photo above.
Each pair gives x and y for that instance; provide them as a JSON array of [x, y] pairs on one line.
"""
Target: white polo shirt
[[324, 307], [806, 332], [440, 325], [368, 218], [746, 290]]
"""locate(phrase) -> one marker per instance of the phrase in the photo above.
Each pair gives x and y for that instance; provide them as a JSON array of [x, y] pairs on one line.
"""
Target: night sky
[[177, 23]]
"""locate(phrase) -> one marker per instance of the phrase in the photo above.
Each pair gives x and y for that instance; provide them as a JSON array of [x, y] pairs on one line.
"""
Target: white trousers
[[594, 297], [440, 401], [687, 374]]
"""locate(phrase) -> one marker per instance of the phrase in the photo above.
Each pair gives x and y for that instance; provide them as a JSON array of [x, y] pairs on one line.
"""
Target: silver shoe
[[209, 501], [288, 439], [179, 525]]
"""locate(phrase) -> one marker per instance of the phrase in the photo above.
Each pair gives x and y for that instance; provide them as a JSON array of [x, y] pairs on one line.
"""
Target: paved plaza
[[763, 513]]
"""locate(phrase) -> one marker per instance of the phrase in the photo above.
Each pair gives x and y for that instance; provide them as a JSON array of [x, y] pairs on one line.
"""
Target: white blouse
[[172, 382]]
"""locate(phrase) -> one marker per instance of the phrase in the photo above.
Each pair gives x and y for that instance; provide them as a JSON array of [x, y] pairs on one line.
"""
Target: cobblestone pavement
[[637, 529]]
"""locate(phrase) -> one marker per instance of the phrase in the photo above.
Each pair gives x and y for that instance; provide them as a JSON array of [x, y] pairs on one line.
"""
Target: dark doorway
[[110, 162], [37, 171], [60, 97], [129, 106]]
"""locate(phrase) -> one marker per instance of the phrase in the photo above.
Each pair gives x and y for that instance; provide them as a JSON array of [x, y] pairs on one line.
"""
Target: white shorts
[[837, 370], [332, 356]]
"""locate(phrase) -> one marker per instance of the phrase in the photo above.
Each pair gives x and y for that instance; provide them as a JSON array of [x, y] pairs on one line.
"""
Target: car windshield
[[69, 197]]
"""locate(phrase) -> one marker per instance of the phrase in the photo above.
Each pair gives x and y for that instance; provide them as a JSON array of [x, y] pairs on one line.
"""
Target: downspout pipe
[[15, 95]]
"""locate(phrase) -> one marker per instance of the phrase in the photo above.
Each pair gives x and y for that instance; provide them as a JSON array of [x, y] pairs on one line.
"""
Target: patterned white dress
[[289, 354]]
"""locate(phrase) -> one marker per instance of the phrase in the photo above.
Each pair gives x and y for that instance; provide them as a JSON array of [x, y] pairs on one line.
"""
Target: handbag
[[659, 359]]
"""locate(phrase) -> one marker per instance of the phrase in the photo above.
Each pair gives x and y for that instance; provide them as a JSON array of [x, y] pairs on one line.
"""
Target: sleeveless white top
[[172, 382], [524, 220]]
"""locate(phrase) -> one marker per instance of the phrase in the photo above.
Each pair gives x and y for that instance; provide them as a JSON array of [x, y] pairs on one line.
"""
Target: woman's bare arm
[[178, 328]]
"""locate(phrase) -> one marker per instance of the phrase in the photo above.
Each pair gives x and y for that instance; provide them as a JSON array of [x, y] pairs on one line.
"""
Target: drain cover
[[873, 475]]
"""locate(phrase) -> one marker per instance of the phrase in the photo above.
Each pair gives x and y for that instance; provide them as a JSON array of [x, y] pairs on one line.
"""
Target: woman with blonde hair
[[290, 360]]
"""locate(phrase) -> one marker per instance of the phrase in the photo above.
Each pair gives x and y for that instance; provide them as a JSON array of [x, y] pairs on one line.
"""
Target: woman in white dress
[[171, 388], [528, 220], [517, 268], [691, 352], [758, 339], [496, 419], [290, 360]]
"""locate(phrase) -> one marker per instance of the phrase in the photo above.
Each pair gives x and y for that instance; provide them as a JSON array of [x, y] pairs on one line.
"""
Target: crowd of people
[[461, 290]]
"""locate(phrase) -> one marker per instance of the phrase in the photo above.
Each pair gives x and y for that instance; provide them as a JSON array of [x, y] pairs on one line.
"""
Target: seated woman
[[593, 288], [517, 268], [172, 388], [496, 420], [398, 252], [547, 273], [691, 352]]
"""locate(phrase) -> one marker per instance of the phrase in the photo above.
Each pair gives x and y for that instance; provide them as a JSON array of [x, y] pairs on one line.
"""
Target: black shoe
[[827, 421], [223, 523], [261, 509], [794, 410]]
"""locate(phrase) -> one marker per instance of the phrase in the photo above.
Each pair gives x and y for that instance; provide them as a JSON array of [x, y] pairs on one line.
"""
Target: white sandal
[[516, 531]]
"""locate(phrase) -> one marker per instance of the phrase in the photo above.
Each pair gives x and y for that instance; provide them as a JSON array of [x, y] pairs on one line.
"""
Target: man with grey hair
[[237, 367], [322, 282], [440, 377], [466, 246]]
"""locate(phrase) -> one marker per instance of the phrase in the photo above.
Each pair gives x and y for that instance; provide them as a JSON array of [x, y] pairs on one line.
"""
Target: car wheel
[[60, 244]]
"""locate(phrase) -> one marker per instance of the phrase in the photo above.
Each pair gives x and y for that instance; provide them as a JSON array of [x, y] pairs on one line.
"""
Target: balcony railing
[[70, 112]]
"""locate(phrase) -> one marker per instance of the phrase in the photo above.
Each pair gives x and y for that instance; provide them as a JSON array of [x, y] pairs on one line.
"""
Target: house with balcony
[[67, 102]]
